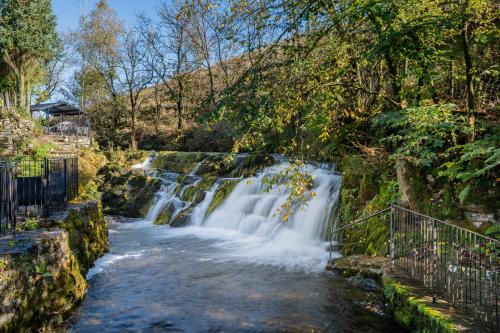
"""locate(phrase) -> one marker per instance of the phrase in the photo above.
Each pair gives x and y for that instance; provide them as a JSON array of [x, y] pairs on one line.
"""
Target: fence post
[[65, 163], [46, 185], [392, 241]]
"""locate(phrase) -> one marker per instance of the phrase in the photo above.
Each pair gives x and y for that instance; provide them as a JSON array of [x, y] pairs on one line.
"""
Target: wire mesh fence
[[456, 264]]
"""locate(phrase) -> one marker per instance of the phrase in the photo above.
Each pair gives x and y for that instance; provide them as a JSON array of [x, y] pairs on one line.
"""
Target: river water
[[160, 279], [238, 269]]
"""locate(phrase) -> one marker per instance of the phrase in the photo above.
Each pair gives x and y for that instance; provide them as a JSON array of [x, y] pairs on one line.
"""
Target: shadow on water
[[158, 279]]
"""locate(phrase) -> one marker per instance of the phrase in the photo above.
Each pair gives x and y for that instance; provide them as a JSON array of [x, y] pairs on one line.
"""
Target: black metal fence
[[44, 184], [8, 198], [456, 264]]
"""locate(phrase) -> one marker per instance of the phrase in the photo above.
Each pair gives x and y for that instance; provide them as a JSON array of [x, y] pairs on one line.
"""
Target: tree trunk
[[469, 88], [180, 103], [409, 186], [133, 135], [21, 82]]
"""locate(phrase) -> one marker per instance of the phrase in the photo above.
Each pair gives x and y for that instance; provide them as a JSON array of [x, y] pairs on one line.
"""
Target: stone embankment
[[411, 304], [42, 272]]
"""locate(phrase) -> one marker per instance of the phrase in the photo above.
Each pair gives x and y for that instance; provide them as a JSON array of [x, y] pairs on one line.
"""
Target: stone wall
[[42, 272]]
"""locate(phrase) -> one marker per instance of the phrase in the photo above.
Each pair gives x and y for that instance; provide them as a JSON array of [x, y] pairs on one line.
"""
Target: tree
[[168, 53], [28, 41], [134, 76], [98, 45]]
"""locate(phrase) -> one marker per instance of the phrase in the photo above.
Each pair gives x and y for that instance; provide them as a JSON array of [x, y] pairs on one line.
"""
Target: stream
[[238, 269]]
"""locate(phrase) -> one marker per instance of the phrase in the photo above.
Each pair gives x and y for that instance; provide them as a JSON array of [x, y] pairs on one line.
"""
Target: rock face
[[14, 133], [42, 273], [127, 193]]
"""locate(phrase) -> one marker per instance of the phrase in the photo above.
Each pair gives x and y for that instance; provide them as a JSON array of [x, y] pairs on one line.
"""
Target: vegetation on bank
[[405, 90]]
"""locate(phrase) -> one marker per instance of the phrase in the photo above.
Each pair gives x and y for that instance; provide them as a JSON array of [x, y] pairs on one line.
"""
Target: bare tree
[[134, 75], [168, 52]]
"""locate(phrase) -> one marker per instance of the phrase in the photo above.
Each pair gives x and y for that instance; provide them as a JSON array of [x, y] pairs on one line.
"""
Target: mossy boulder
[[180, 162], [244, 165], [182, 218], [251, 164], [129, 193], [221, 194], [42, 276], [166, 214], [87, 230], [206, 182]]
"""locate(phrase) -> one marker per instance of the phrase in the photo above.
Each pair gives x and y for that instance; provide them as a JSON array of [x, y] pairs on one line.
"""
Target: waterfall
[[248, 222], [200, 210], [251, 210], [146, 164]]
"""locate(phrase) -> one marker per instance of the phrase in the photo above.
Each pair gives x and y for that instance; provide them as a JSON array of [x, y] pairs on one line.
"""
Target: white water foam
[[144, 165], [107, 260]]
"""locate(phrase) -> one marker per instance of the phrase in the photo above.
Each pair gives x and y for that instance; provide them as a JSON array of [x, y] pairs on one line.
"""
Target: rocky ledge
[[42, 272]]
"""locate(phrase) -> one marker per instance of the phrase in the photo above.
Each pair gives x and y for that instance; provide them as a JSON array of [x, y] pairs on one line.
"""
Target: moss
[[88, 233], [165, 216], [180, 162], [189, 193], [412, 312], [207, 182], [221, 194], [129, 194], [370, 238]]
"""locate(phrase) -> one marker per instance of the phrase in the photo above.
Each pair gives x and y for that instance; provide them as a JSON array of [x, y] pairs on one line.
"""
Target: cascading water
[[223, 272], [248, 222], [200, 210]]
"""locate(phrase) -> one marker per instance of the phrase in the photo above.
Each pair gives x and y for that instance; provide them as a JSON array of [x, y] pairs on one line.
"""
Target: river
[[161, 279], [239, 269]]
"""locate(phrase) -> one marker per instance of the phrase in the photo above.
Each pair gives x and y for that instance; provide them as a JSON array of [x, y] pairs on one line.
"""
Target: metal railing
[[44, 184], [456, 264], [8, 198]]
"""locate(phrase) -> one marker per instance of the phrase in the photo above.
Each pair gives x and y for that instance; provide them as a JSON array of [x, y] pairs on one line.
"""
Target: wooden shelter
[[62, 118]]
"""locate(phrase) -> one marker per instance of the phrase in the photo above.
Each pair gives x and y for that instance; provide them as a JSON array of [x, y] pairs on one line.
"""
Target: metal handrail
[[447, 223], [457, 264], [360, 221]]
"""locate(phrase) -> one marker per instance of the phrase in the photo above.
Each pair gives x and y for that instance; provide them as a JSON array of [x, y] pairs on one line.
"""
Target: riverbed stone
[[182, 218]]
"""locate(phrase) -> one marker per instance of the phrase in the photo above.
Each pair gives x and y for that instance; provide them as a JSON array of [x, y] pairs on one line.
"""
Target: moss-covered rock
[[42, 276], [416, 312], [87, 230], [182, 218], [410, 303], [165, 215], [129, 193], [221, 194], [206, 182], [180, 162]]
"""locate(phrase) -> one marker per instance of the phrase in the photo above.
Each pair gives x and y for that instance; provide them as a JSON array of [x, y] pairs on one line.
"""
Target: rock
[[182, 219], [179, 162], [129, 193], [42, 273], [221, 194], [166, 214], [479, 215]]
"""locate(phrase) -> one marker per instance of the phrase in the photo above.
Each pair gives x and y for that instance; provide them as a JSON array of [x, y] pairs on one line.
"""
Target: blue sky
[[67, 11]]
